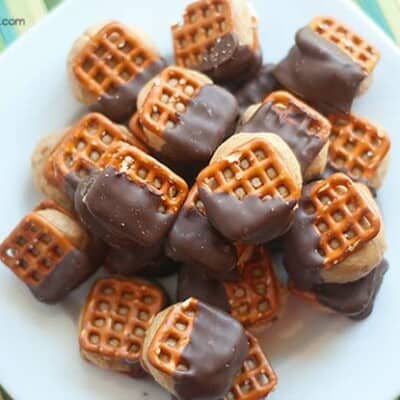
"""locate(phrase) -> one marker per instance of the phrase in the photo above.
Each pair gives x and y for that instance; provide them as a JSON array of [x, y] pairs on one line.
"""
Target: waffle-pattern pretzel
[[362, 52], [116, 316], [113, 57], [170, 95], [34, 249], [82, 147], [145, 170], [172, 337], [257, 379], [255, 297], [357, 146], [255, 170], [204, 22], [286, 106], [342, 218]]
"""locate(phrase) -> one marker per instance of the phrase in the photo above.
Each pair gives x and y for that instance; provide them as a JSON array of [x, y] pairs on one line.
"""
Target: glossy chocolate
[[304, 145], [193, 283], [210, 117], [228, 60], [120, 211], [300, 247], [354, 299], [254, 90], [121, 103], [138, 260], [320, 72], [217, 348], [194, 241], [73, 270], [251, 220]]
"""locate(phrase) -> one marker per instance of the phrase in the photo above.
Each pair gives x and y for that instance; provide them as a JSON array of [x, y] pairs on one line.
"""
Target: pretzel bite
[[328, 65], [114, 321], [337, 235], [138, 260], [353, 299], [251, 188], [257, 88], [304, 130], [255, 298], [109, 64], [358, 148], [194, 241], [220, 39], [63, 158], [50, 252], [183, 116], [194, 350], [133, 201]]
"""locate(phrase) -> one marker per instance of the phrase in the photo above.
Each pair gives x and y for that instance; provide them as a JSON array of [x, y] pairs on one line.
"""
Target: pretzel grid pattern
[[34, 249], [256, 170], [204, 22], [172, 337], [287, 106], [255, 297], [117, 315], [343, 218], [113, 57], [145, 170], [357, 146], [83, 146], [257, 379], [362, 52], [169, 96]]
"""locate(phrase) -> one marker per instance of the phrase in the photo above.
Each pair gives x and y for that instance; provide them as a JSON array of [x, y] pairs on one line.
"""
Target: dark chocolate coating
[[251, 220], [320, 72], [210, 117], [304, 146], [228, 60], [354, 299], [194, 241], [142, 261], [74, 269], [254, 90], [300, 247], [192, 283], [121, 104], [120, 211], [216, 351]]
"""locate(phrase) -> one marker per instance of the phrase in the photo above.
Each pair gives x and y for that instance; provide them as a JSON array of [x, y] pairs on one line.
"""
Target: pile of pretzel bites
[[207, 168]]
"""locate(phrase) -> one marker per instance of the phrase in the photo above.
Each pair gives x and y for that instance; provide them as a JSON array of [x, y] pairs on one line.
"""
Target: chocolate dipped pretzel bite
[[251, 187], [109, 64], [50, 252], [220, 39]]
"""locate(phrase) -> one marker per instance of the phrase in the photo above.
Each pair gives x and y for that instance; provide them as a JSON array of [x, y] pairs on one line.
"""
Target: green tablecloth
[[16, 16]]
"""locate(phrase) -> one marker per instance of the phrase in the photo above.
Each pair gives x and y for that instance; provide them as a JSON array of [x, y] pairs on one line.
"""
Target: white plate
[[316, 356]]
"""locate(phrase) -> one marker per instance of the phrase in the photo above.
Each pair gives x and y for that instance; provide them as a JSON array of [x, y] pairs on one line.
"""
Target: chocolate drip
[[295, 133], [354, 299], [120, 211], [209, 118], [194, 241], [192, 283], [138, 260], [251, 220], [228, 60], [73, 270], [216, 351], [253, 91], [121, 103], [300, 247], [320, 72]]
